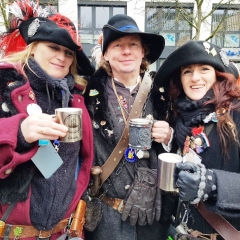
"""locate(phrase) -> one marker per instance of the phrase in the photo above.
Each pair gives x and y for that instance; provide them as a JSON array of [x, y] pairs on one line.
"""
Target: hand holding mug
[[188, 180], [42, 126], [161, 132]]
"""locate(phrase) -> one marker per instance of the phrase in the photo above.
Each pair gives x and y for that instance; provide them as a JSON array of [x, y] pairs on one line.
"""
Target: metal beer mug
[[71, 118], [140, 133], [166, 172]]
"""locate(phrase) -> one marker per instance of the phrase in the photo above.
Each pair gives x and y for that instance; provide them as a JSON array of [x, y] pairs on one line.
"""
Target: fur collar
[[10, 80], [100, 112]]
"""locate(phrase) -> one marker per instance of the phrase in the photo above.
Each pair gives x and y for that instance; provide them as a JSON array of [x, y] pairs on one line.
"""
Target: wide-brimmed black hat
[[60, 30], [194, 52], [122, 25]]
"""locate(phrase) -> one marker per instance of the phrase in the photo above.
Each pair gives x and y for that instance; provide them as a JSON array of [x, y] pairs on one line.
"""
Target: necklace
[[124, 111]]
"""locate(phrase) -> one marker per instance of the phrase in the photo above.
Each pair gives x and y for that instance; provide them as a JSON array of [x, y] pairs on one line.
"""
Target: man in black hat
[[121, 89]]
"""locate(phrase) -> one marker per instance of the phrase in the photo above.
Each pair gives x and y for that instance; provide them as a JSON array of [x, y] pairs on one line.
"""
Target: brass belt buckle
[[120, 206], [2, 225], [45, 234]]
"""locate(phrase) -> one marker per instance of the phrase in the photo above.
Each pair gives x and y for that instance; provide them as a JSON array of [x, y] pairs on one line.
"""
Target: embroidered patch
[[224, 58]]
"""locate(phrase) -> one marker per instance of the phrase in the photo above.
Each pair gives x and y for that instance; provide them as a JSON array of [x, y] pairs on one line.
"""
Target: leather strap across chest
[[136, 110], [220, 224]]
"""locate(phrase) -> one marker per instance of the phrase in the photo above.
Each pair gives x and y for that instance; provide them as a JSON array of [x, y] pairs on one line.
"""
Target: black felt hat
[[194, 52], [60, 30], [122, 25]]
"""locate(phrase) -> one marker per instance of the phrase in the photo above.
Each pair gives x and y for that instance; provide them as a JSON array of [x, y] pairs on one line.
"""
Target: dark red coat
[[10, 158]]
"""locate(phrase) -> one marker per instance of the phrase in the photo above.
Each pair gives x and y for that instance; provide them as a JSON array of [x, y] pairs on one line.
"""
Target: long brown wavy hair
[[226, 95]]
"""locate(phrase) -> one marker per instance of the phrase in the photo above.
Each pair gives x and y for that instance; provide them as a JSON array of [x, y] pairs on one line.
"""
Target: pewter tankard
[[140, 133], [71, 118]]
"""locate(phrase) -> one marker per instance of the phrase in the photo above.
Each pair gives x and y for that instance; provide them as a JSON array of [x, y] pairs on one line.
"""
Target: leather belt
[[115, 203], [31, 231]]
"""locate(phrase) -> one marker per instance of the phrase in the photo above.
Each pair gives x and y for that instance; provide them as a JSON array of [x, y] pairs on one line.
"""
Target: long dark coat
[[111, 225], [228, 179]]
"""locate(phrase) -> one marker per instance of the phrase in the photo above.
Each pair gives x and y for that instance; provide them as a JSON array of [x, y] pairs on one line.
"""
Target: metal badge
[[97, 102], [33, 109], [95, 125], [213, 52], [31, 95], [143, 154], [93, 92], [5, 107], [207, 46], [161, 89], [130, 155], [224, 58], [33, 27], [110, 132]]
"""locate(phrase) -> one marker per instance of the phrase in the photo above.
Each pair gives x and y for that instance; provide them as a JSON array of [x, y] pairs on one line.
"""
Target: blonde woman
[[39, 73]]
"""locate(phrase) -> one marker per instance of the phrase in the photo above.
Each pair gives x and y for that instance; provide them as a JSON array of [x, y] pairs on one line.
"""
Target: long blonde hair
[[21, 58]]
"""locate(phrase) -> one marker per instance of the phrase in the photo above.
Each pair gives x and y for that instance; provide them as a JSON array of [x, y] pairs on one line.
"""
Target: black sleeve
[[228, 195]]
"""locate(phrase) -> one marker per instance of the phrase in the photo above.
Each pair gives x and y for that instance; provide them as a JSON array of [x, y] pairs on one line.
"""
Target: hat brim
[[155, 43], [51, 32], [85, 66], [47, 31]]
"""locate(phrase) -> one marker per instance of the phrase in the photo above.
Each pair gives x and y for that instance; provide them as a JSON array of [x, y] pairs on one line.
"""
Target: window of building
[[92, 18], [225, 22], [168, 21]]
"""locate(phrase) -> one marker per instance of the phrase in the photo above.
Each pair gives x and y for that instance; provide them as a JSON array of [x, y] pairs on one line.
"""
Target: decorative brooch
[[198, 141], [214, 115], [33, 27]]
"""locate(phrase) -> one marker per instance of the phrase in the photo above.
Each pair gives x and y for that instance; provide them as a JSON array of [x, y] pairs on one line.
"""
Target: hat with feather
[[30, 22]]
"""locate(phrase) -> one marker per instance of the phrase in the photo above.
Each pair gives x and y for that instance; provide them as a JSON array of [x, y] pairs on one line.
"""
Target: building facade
[[171, 19]]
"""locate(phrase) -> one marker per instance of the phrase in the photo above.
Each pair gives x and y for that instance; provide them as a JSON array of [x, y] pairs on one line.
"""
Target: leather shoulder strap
[[220, 224], [136, 110]]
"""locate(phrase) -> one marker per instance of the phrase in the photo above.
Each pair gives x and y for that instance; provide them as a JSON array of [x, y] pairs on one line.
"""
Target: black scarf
[[191, 114], [64, 85]]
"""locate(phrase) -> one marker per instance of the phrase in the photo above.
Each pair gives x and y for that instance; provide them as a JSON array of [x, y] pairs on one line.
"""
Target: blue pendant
[[130, 155]]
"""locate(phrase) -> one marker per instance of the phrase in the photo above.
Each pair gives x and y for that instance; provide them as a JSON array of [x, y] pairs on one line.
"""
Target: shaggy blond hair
[[22, 57]]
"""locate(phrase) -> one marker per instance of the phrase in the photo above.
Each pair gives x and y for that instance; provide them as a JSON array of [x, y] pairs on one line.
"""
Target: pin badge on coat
[[33, 109]]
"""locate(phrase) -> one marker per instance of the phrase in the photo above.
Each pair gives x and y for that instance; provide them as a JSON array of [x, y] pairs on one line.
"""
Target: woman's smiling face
[[53, 58], [197, 79]]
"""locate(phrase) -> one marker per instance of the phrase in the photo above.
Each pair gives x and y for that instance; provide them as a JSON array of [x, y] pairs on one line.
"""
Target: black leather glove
[[142, 204], [188, 180], [195, 182]]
